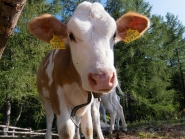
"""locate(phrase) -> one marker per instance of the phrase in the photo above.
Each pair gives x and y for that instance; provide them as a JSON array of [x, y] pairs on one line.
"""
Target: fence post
[[5, 130]]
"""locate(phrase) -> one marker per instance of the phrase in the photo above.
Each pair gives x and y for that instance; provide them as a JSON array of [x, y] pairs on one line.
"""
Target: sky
[[175, 7], [162, 7]]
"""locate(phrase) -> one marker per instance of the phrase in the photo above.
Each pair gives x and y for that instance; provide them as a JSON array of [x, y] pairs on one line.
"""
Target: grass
[[156, 123]]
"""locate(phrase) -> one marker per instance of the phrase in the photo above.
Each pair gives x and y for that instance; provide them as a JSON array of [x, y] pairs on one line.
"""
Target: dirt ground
[[149, 132], [143, 132]]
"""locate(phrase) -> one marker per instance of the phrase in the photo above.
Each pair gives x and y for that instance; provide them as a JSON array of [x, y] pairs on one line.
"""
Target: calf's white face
[[91, 37], [90, 34]]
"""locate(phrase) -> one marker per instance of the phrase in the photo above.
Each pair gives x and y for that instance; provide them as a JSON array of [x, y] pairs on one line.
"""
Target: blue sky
[[162, 7], [175, 7]]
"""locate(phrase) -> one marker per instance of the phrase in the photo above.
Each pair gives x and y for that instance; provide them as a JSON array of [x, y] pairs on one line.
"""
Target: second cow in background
[[111, 102]]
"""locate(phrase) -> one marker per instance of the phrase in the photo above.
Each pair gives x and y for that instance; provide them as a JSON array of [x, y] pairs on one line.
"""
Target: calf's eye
[[71, 36], [114, 36]]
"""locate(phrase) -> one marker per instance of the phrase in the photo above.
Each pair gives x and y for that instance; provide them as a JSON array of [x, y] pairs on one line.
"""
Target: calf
[[96, 117], [110, 101], [85, 63], [114, 108]]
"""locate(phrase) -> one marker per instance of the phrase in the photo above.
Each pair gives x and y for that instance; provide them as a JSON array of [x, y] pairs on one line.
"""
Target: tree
[[175, 44], [69, 6], [10, 12], [19, 65], [141, 70], [117, 7]]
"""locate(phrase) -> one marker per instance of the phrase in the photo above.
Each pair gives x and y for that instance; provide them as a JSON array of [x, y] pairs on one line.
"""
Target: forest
[[151, 69]]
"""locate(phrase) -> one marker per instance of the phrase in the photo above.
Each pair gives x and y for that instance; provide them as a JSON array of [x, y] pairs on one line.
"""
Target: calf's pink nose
[[101, 82]]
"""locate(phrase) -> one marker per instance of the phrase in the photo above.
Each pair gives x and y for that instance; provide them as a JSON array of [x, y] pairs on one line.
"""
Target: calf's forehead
[[91, 17]]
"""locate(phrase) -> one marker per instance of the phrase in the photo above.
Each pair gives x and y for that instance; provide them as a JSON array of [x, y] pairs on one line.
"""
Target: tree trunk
[[7, 113], [10, 11], [18, 116]]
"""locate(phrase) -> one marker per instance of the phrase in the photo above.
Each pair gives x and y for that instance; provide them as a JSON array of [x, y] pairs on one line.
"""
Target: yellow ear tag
[[131, 35], [57, 43]]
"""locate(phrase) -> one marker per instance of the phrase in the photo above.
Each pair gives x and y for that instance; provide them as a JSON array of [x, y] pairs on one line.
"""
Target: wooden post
[[10, 11]]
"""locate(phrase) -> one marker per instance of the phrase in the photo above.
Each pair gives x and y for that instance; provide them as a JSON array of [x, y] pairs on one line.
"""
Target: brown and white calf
[[87, 63]]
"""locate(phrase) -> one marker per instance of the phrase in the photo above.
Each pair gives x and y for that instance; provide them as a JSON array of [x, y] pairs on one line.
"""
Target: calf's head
[[90, 33]]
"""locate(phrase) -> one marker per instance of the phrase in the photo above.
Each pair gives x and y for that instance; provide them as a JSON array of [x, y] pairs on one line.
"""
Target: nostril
[[92, 80], [101, 81], [112, 79]]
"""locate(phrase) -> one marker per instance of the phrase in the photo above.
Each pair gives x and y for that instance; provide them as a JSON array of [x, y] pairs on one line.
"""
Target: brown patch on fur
[[63, 73], [89, 131], [44, 26], [42, 77], [65, 132], [43, 82]]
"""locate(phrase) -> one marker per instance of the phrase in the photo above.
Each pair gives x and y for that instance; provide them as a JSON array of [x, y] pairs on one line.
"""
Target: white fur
[[74, 96], [49, 69], [64, 123], [111, 102], [69, 96], [49, 118], [96, 117], [103, 110], [93, 30]]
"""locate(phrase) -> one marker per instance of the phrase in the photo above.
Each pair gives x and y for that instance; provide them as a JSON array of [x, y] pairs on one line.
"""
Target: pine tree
[[68, 7], [141, 70], [175, 44]]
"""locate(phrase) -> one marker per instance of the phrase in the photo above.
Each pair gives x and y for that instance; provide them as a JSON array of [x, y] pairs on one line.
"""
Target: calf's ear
[[133, 21], [43, 27]]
